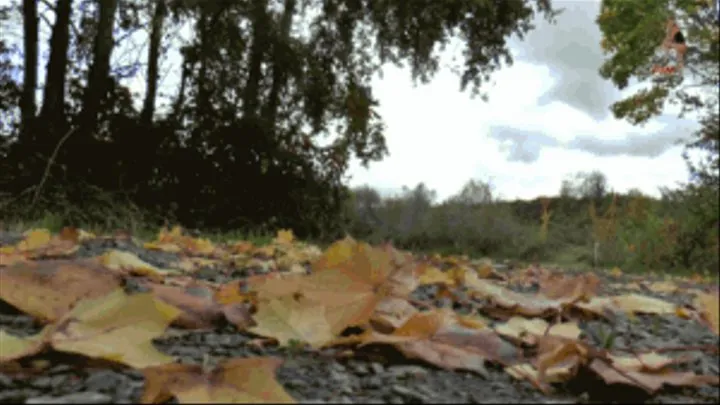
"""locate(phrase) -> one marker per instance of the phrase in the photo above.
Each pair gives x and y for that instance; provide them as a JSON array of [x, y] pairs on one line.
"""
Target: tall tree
[[259, 23], [99, 75], [156, 32], [28, 106], [281, 57], [52, 112]]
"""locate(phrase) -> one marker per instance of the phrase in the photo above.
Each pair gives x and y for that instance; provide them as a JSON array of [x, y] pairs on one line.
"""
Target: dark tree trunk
[[28, 106], [153, 55], [52, 111], [180, 99], [99, 74], [279, 71], [203, 91], [257, 53]]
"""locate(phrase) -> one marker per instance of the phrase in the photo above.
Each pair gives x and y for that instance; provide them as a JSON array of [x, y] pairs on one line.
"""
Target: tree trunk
[[28, 106], [180, 100], [203, 97], [52, 112], [279, 71], [100, 69], [153, 55], [257, 53]]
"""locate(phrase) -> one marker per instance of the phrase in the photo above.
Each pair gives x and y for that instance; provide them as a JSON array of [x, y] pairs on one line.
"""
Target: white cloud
[[544, 121], [441, 137]]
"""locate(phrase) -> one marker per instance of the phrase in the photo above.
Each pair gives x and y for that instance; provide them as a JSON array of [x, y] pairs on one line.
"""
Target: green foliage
[[647, 239], [642, 233], [633, 30], [273, 101], [683, 230]]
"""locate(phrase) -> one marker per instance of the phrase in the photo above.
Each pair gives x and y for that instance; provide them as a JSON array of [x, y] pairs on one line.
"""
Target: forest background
[[242, 144]]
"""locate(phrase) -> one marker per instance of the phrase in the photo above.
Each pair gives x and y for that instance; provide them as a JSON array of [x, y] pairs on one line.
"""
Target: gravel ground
[[321, 376]]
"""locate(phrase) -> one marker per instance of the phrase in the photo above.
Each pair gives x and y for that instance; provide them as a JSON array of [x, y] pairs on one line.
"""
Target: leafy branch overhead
[[633, 32]]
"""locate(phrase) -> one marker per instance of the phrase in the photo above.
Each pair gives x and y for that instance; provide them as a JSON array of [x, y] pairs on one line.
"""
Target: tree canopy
[[272, 102], [632, 33]]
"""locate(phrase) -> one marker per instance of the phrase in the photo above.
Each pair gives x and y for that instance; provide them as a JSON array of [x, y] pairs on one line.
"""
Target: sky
[[547, 118]]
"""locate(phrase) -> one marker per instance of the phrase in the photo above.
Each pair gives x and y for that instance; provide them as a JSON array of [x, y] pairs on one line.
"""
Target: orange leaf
[[438, 338], [48, 289], [238, 380], [350, 279]]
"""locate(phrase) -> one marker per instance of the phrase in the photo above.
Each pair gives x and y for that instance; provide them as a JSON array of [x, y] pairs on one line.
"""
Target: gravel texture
[[372, 377]]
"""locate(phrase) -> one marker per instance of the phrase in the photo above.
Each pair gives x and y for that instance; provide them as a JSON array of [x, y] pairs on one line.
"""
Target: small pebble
[[86, 397]]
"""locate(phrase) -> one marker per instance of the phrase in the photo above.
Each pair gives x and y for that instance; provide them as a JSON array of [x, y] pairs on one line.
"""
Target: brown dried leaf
[[709, 306], [116, 327], [48, 289], [520, 304], [290, 317], [199, 309], [651, 382], [438, 338], [238, 381]]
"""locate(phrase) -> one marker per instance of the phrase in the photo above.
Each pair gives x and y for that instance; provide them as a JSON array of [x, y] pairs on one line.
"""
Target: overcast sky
[[547, 117]]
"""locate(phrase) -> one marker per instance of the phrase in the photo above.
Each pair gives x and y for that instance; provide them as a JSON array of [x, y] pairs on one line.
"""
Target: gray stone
[[373, 382], [377, 368], [5, 381], [410, 394], [403, 372], [86, 397], [104, 381], [360, 368]]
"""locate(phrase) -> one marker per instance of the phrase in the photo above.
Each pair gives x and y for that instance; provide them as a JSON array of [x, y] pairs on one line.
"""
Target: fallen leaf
[[651, 382], [38, 243], [432, 275], [116, 327], [391, 313], [530, 330], [439, 339], [75, 235], [128, 262], [568, 289], [509, 300], [198, 307], [350, 279], [289, 318], [636, 303], [709, 306], [275, 285], [48, 289], [650, 362], [284, 237], [616, 272], [16, 347], [630, 304], [559, 358], [34, 239], [664, 287], [239, 381]]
